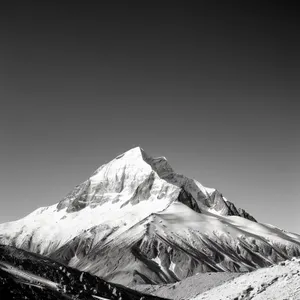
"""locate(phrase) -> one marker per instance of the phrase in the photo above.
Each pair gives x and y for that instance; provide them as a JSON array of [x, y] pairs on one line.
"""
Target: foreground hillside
[[24, 275], [136, 221], [278, 282], [189, 287]]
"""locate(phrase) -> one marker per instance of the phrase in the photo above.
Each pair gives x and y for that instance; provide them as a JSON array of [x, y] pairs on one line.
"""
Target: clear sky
[[214, 88]]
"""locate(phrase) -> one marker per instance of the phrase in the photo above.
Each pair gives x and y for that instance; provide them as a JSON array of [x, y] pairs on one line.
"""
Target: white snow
[[162, 268], [158, 261], [205, 190], [233, 225], [172, 267], [213, 211], [101, 298]]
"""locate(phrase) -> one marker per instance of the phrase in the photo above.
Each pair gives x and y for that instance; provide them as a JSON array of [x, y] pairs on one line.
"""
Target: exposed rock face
[[137, 221], [233, 211]]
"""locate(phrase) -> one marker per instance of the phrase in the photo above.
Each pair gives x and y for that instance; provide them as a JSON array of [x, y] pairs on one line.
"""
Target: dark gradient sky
[[214, 88]]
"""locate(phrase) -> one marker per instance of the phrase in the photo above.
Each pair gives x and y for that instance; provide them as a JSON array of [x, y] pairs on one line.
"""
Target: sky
[[213, 87]]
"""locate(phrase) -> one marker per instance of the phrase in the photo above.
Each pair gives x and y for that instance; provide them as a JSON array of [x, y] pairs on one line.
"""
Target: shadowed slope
[[24, 275]]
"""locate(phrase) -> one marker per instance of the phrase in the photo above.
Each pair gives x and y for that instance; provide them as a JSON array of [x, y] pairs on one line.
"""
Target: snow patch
[[172, 267]]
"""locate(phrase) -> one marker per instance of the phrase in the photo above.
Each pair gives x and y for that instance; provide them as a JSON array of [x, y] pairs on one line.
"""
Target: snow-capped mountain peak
[[137, 211], [134, 174]]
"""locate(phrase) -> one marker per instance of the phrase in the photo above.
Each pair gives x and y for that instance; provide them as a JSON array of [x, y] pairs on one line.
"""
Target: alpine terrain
[[25, 275], [277, 282], [136, 221]]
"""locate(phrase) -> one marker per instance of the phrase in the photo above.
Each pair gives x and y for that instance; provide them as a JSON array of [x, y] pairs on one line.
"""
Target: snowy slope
[[136, 220], [277, 282], [176, 243]]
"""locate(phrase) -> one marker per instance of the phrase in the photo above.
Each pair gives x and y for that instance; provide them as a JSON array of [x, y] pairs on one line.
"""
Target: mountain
[[137, 221], [25, 275]]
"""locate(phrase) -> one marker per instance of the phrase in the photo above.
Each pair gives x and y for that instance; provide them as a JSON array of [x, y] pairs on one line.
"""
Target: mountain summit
[[134, 176], [137, 221]]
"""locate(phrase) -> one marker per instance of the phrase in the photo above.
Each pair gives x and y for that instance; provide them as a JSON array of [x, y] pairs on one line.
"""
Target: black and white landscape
[[136, 222], [149, 150]]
